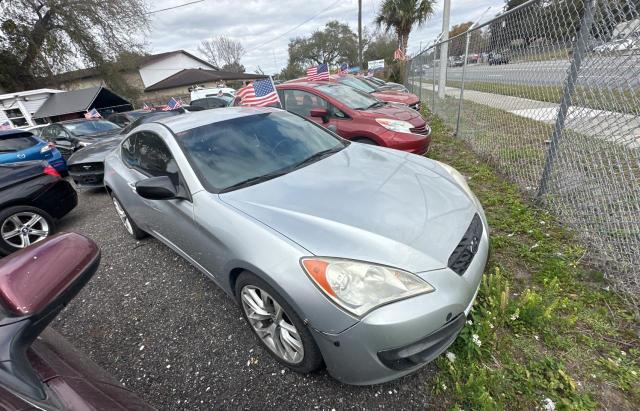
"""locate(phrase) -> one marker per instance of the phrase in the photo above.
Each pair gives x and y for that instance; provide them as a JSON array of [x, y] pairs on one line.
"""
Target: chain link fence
[[549, 92]]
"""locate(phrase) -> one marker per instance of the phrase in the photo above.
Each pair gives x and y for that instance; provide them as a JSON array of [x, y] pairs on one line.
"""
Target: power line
[[175, 7], [301, 24]]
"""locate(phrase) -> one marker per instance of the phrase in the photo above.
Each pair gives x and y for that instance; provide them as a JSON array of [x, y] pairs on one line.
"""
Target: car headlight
[[358, 286], [458, 177], [395, 125]]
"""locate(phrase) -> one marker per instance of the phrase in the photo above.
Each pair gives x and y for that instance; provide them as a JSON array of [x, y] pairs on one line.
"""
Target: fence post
[[420, 75], [464, 68], [433, 83], [579, 50]]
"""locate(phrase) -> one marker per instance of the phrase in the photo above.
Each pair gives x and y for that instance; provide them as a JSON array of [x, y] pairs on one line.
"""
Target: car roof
[[78, 120], [13, 132], [195, 119], [307, 83]]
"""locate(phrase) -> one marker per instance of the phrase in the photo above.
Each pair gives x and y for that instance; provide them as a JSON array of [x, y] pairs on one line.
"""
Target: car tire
[[14, 219], [311, 357], [365, 140], [129, 225]]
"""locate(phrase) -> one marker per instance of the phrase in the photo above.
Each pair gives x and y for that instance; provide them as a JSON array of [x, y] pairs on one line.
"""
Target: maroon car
[[356, 115], [39, 369]]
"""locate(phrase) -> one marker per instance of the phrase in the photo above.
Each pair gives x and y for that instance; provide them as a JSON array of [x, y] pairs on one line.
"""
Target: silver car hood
[[366, 203]]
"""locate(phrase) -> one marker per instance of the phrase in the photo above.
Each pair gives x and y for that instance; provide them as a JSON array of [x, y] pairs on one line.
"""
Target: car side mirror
[[157, 188], [36, 283], [320, 112], [64, 143]]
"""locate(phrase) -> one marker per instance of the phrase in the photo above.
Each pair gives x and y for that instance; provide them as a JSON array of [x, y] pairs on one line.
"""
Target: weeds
[[545, 332]]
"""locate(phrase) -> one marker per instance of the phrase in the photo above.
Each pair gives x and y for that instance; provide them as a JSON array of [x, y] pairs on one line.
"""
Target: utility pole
[[444, 49], [360, 34]]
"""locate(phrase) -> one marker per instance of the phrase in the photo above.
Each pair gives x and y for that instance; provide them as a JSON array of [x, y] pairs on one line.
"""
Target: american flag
[[172, 104], [320, 72], [399, 54], [5, 126], [344, 69], [260, 93], [92, 114]]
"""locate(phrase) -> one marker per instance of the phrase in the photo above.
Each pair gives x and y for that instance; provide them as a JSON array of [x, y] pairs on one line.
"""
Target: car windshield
[[232, 154], [17, 142], [348, 96], [357, 84], [88, 127], [136, 114]]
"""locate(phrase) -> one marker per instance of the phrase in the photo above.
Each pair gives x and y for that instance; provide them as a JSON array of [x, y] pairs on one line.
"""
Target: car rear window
[[17, 143]]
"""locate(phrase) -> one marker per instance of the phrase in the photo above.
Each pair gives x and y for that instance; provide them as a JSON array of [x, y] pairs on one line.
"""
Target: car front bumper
[[87, 174], [399, 338]]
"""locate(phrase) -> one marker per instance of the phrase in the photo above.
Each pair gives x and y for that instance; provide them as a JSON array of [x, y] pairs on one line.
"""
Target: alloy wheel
[[272, 325], [24, 228], [123, 216]]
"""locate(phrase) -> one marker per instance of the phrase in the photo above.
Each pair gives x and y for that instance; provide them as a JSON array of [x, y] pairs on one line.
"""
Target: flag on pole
[[145, 106], [92, 114], [5, 126], [399, 54], [344, 69], [172, 104], [320, 72], [260, 93]]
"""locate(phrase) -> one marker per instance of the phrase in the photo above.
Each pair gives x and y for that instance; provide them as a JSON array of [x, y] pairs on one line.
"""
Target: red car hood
[[396, 112], [396, 97]]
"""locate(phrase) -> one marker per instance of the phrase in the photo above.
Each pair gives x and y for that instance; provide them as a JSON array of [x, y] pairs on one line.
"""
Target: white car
[[201, 92]]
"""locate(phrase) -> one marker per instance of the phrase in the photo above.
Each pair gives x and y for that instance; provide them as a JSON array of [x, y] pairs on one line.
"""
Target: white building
[[18, 108]]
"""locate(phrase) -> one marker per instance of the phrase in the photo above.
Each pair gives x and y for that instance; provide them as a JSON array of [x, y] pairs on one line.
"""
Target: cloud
[[256, 22]]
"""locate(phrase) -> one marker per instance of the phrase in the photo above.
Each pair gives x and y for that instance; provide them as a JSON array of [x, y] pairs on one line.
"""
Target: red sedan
[[356, 115]]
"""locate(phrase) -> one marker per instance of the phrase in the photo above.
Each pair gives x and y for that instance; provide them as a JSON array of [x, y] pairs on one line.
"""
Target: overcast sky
[[264, 27]]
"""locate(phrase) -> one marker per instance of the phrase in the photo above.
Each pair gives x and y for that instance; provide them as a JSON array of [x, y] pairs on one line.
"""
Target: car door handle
[[132, 186]]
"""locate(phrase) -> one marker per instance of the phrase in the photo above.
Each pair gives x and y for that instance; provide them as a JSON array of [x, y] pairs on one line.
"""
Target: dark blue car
[[20, 145]]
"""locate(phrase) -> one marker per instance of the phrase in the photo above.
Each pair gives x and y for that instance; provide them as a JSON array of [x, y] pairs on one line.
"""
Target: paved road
[[597, 70], [172, 336]]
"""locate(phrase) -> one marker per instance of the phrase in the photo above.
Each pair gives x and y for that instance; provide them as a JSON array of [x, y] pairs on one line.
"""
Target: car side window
[[301, 102], [146, 152]]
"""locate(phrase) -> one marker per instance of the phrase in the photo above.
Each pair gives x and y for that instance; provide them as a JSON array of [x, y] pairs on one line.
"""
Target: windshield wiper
[[254, 180], [317, 156]]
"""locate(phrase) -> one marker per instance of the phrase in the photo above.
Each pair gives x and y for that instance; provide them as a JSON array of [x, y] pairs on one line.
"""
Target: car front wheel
[[276, 325]]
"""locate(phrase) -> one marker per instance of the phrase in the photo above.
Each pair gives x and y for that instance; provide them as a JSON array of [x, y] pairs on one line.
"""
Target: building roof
[[138, 62], [189, 77], [78, 101], [28, 93]]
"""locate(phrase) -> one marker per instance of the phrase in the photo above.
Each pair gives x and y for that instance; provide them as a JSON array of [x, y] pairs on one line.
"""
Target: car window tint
[[228, 152], [301, 102], [17, 142], [147, 152]]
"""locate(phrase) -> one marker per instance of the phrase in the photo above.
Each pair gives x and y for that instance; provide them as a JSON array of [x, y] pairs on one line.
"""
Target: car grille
[[423, 130], [86, 167], [467, 248]]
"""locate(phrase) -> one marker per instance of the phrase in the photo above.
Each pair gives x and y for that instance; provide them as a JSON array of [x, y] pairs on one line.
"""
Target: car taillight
[[51, 171], [46, 148]]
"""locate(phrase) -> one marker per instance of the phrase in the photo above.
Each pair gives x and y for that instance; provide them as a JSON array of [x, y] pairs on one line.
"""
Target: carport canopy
[[79, 101]]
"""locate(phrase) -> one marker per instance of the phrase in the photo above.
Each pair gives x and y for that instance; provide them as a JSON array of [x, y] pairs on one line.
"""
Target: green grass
[[546, 325], [616, 100]]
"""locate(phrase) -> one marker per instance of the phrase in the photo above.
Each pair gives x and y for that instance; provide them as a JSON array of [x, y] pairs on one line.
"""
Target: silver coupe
[[361, 258]]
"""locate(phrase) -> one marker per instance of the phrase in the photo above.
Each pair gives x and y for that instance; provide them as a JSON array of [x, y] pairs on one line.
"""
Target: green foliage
[[336, 43], [40, 38], [538, 331]]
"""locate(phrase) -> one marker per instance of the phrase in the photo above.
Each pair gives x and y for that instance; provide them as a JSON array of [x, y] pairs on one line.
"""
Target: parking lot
[[170, 335]]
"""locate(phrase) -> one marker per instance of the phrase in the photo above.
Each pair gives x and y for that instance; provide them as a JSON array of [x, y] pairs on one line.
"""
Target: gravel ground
[[169, 334]]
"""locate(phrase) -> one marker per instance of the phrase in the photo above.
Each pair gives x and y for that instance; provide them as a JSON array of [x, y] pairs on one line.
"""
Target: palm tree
[[402, 15]]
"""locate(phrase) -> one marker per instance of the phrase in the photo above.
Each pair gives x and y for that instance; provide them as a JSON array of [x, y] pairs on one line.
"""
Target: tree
[[223, 52], [39, 38], [401, 16], [336, 43], [291, 71], [457, 45]]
